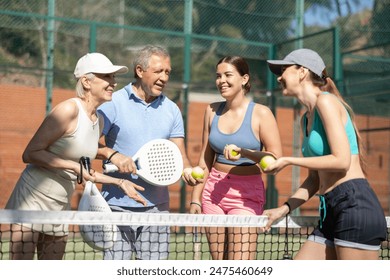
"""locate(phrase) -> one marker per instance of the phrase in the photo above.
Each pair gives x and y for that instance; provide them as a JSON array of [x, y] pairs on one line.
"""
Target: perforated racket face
[[97, 236], [159, 162]]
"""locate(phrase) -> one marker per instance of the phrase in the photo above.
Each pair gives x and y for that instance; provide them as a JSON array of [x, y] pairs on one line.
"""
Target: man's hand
[[124, 163]]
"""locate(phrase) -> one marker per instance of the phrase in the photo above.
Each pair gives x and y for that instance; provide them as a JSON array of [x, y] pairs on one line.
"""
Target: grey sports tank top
[[243, 137]]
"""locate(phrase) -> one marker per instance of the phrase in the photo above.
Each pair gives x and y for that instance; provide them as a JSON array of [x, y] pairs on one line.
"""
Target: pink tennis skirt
[[233, 194]]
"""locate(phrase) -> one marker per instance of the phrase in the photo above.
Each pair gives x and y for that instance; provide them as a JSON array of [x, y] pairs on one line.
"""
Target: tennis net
[[190, 236]]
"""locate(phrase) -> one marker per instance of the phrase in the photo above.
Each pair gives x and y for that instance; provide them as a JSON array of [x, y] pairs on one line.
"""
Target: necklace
[[94, 119]]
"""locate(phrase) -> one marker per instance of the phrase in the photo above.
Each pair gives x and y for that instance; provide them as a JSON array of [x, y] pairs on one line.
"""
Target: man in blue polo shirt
[[138, 113]]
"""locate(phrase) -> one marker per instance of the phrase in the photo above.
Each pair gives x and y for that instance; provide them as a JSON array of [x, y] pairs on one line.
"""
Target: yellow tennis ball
[[197, 172], [266, 161], [234, 153]]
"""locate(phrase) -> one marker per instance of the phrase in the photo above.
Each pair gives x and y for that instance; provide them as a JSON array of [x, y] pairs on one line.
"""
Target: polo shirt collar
[[135, 97]]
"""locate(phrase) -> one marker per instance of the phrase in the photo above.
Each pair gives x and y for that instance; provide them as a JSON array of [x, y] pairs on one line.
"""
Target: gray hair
[[143, 56], [80, 92]]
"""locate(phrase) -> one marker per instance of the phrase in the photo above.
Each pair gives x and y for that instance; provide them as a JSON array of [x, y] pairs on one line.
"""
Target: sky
[[322, 17]]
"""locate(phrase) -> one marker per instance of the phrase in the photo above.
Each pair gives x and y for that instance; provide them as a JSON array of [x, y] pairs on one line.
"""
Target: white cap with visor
[[97, 63]]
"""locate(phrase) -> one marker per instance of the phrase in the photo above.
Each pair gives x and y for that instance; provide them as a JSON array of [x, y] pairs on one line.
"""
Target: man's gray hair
[[143, 56]]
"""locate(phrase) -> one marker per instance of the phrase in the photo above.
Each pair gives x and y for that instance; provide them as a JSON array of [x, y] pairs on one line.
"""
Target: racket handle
[[109, 167]]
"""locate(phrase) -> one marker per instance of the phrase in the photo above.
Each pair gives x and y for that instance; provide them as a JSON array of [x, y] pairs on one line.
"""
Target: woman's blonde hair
[[80, 90], [327, 84]]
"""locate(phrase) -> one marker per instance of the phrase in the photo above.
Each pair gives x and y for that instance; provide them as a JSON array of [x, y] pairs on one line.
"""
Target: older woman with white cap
[[352, 223], [71, 131]]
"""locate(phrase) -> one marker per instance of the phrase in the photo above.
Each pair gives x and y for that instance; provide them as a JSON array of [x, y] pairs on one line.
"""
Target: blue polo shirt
[[130, 122]]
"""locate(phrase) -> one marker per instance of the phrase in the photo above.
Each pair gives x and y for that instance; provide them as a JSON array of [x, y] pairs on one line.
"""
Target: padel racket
[[159, 162], [97, 236]]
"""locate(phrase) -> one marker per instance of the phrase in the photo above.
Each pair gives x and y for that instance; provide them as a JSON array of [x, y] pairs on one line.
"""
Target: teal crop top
[[315, 143], [243, 137]]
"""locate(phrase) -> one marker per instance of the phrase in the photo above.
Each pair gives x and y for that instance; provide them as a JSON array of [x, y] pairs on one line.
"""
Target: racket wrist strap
[[110, 157], [288, 206]]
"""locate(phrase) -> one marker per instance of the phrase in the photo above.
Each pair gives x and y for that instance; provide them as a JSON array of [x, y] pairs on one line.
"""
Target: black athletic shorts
[[352, 217]]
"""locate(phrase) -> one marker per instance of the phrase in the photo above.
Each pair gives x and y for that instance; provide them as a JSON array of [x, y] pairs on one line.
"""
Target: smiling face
[[155, 77], [290, 79], [101, 86], [229, 81]]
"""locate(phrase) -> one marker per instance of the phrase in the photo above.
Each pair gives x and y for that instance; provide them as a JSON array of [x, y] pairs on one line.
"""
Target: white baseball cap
[[304, 57], [96, 63]]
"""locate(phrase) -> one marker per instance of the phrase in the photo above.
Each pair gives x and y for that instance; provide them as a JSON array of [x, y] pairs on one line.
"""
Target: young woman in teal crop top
[[315, 143], [233, 188], [352, 224]]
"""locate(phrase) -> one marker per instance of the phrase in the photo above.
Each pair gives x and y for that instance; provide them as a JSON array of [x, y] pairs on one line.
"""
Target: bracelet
[[121, 182], [110, 157], [196, 203], [289, 207]]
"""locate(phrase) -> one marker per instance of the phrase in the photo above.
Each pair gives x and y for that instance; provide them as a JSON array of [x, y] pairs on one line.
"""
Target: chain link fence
[[215, 28]]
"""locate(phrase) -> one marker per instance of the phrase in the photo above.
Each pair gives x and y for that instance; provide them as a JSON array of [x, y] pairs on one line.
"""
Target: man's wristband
[[110, 157], [289, 207]]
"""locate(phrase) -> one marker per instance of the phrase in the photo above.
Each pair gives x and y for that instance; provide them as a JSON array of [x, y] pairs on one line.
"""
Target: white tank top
[[58, 183], [82, 142]]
